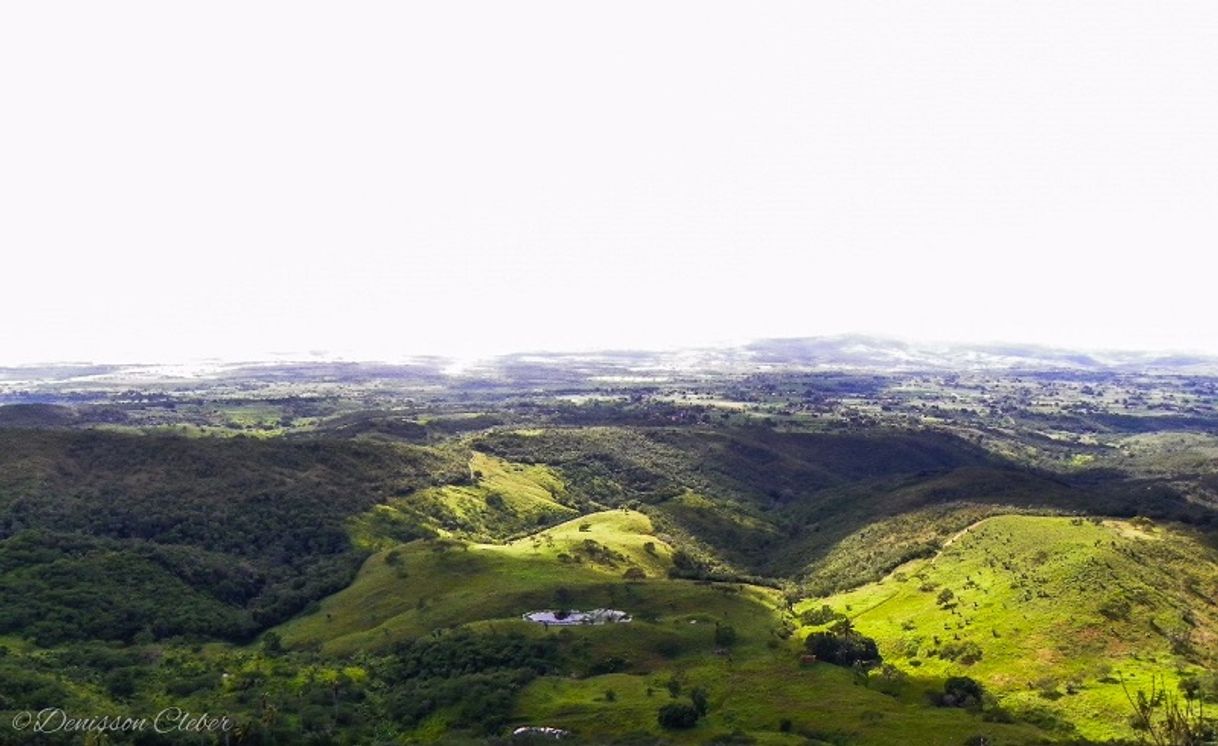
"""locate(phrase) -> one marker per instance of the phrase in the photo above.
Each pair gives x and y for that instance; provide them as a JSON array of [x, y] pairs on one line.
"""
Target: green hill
[[623, 672], [759, 502], [1051, 614], [407, 591]]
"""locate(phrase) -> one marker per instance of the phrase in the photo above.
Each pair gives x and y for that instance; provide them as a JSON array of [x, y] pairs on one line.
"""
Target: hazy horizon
[[462, 361], [471, 179]]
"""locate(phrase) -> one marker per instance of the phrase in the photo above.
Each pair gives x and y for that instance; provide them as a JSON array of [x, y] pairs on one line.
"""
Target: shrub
[[725, 635], [966, 652], [668, 647], [122, 682], [961, 691], [677, 716], [1115, 608], [608, 664], [698, 698], [1204, 686]]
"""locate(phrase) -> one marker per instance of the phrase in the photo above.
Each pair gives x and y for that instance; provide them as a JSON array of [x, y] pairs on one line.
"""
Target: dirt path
[[962, 532], [946, 543]]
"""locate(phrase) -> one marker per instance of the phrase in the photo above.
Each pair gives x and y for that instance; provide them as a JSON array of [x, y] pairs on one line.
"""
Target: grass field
[[753, 695]]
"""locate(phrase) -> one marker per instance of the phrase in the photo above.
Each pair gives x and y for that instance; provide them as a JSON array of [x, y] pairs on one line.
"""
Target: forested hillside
[[97, 529]]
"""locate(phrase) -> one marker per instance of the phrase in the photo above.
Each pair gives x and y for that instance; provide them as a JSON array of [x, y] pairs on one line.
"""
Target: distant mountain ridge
[[862, 351], [840, 352], [871, 353]]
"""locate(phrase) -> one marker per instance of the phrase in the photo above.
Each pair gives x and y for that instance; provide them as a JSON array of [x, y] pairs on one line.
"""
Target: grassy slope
[[501, 499], [1061, 609], [410, 590], [824, 704], [753, 688]]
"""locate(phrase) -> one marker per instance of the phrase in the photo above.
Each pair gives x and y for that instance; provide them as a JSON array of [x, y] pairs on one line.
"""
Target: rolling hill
[[723, 545], [1057, 617]]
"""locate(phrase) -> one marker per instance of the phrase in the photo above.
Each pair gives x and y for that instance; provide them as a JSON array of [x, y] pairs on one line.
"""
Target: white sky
[[233, 179]]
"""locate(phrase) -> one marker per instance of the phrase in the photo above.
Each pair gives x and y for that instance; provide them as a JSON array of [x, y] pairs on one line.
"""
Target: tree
[[823, 615], [122, 682], [843, 647]]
